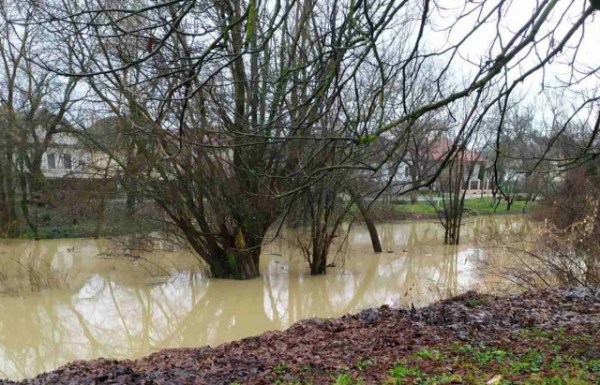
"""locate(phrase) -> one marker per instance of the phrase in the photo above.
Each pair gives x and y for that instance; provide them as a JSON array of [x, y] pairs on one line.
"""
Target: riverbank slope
[[550, 336]]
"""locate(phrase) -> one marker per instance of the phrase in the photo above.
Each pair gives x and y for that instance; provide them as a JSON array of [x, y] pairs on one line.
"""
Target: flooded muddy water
[[65, 300]]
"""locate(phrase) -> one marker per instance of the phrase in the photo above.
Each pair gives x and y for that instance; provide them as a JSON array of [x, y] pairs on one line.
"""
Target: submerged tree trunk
[[234, 263], [372, 232], [453, 208], [233, 257], [326, 220], [318, 265], [366, 214], [321, 241]]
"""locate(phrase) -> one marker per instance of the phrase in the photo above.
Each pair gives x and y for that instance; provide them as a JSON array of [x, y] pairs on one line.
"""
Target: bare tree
[[230, 97], [453, 186], [34, 107], [420, 159]]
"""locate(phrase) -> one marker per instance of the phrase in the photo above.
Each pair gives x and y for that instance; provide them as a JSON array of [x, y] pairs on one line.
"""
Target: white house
[[67, 157], [73, 155]]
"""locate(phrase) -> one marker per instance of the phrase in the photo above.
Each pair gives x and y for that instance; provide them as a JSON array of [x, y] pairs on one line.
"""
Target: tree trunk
[[414, 197], [103, 196], [364, 211], [318, 265], [130, 203], [238, 259], [509, 203], [25, 206], [234, 264], [416, 184], [373, 233], [131, 189], [101, 219], [454, 212], [8, 211]]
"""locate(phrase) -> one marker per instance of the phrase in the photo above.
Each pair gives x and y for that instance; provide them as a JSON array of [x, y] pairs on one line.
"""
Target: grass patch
[[402, 372], [476, 302], [531, 357], [483, 206], [87, 229], [422, 208], [280, 368], [345, 379], [477, 206]]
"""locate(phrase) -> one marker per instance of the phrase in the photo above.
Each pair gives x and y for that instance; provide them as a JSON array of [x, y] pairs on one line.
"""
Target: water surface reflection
[[97, 305]]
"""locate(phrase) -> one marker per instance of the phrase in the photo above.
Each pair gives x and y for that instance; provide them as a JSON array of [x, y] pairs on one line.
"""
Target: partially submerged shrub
[[564, 250]]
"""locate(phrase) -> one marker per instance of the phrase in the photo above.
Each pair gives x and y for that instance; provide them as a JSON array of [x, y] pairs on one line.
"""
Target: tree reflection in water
[[119, 307]]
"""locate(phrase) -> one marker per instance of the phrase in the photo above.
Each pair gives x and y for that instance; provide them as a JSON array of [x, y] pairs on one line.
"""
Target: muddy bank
[[387, 345]]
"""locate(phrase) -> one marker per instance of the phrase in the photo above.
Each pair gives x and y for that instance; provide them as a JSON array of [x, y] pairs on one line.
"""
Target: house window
[[67, 161], [407, 172], [474, 185], [87, 159], [51, 161]]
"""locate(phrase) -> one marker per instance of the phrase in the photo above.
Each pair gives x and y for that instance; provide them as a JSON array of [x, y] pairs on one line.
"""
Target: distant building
[[419, 165], [410, 169], [473, 164], [66, 157], [78, 154]]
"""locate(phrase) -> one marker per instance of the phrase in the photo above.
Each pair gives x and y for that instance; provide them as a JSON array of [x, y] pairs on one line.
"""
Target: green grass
[[280, 368], [477, 206], [87, 229], [345, 379], [483, 206], [537, 363], [534, 357], [476, 302], [422, 208]]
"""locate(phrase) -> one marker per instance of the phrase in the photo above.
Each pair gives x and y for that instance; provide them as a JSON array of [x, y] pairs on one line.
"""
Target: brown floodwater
[[73, 299]]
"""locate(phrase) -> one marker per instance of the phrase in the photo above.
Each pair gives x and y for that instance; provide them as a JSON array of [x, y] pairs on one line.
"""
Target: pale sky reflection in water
[[86, 306]]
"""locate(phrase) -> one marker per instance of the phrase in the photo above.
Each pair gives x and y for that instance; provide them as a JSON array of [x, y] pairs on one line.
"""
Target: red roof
[[439, 149]]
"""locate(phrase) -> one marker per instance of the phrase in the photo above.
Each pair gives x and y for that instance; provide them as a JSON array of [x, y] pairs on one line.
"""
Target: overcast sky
[[477, 48]]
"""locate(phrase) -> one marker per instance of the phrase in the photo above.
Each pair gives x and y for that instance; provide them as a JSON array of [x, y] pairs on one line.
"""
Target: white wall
[[80, 160]]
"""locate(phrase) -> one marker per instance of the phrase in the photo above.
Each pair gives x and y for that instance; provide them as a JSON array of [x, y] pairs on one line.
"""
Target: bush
[[566, 251]]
